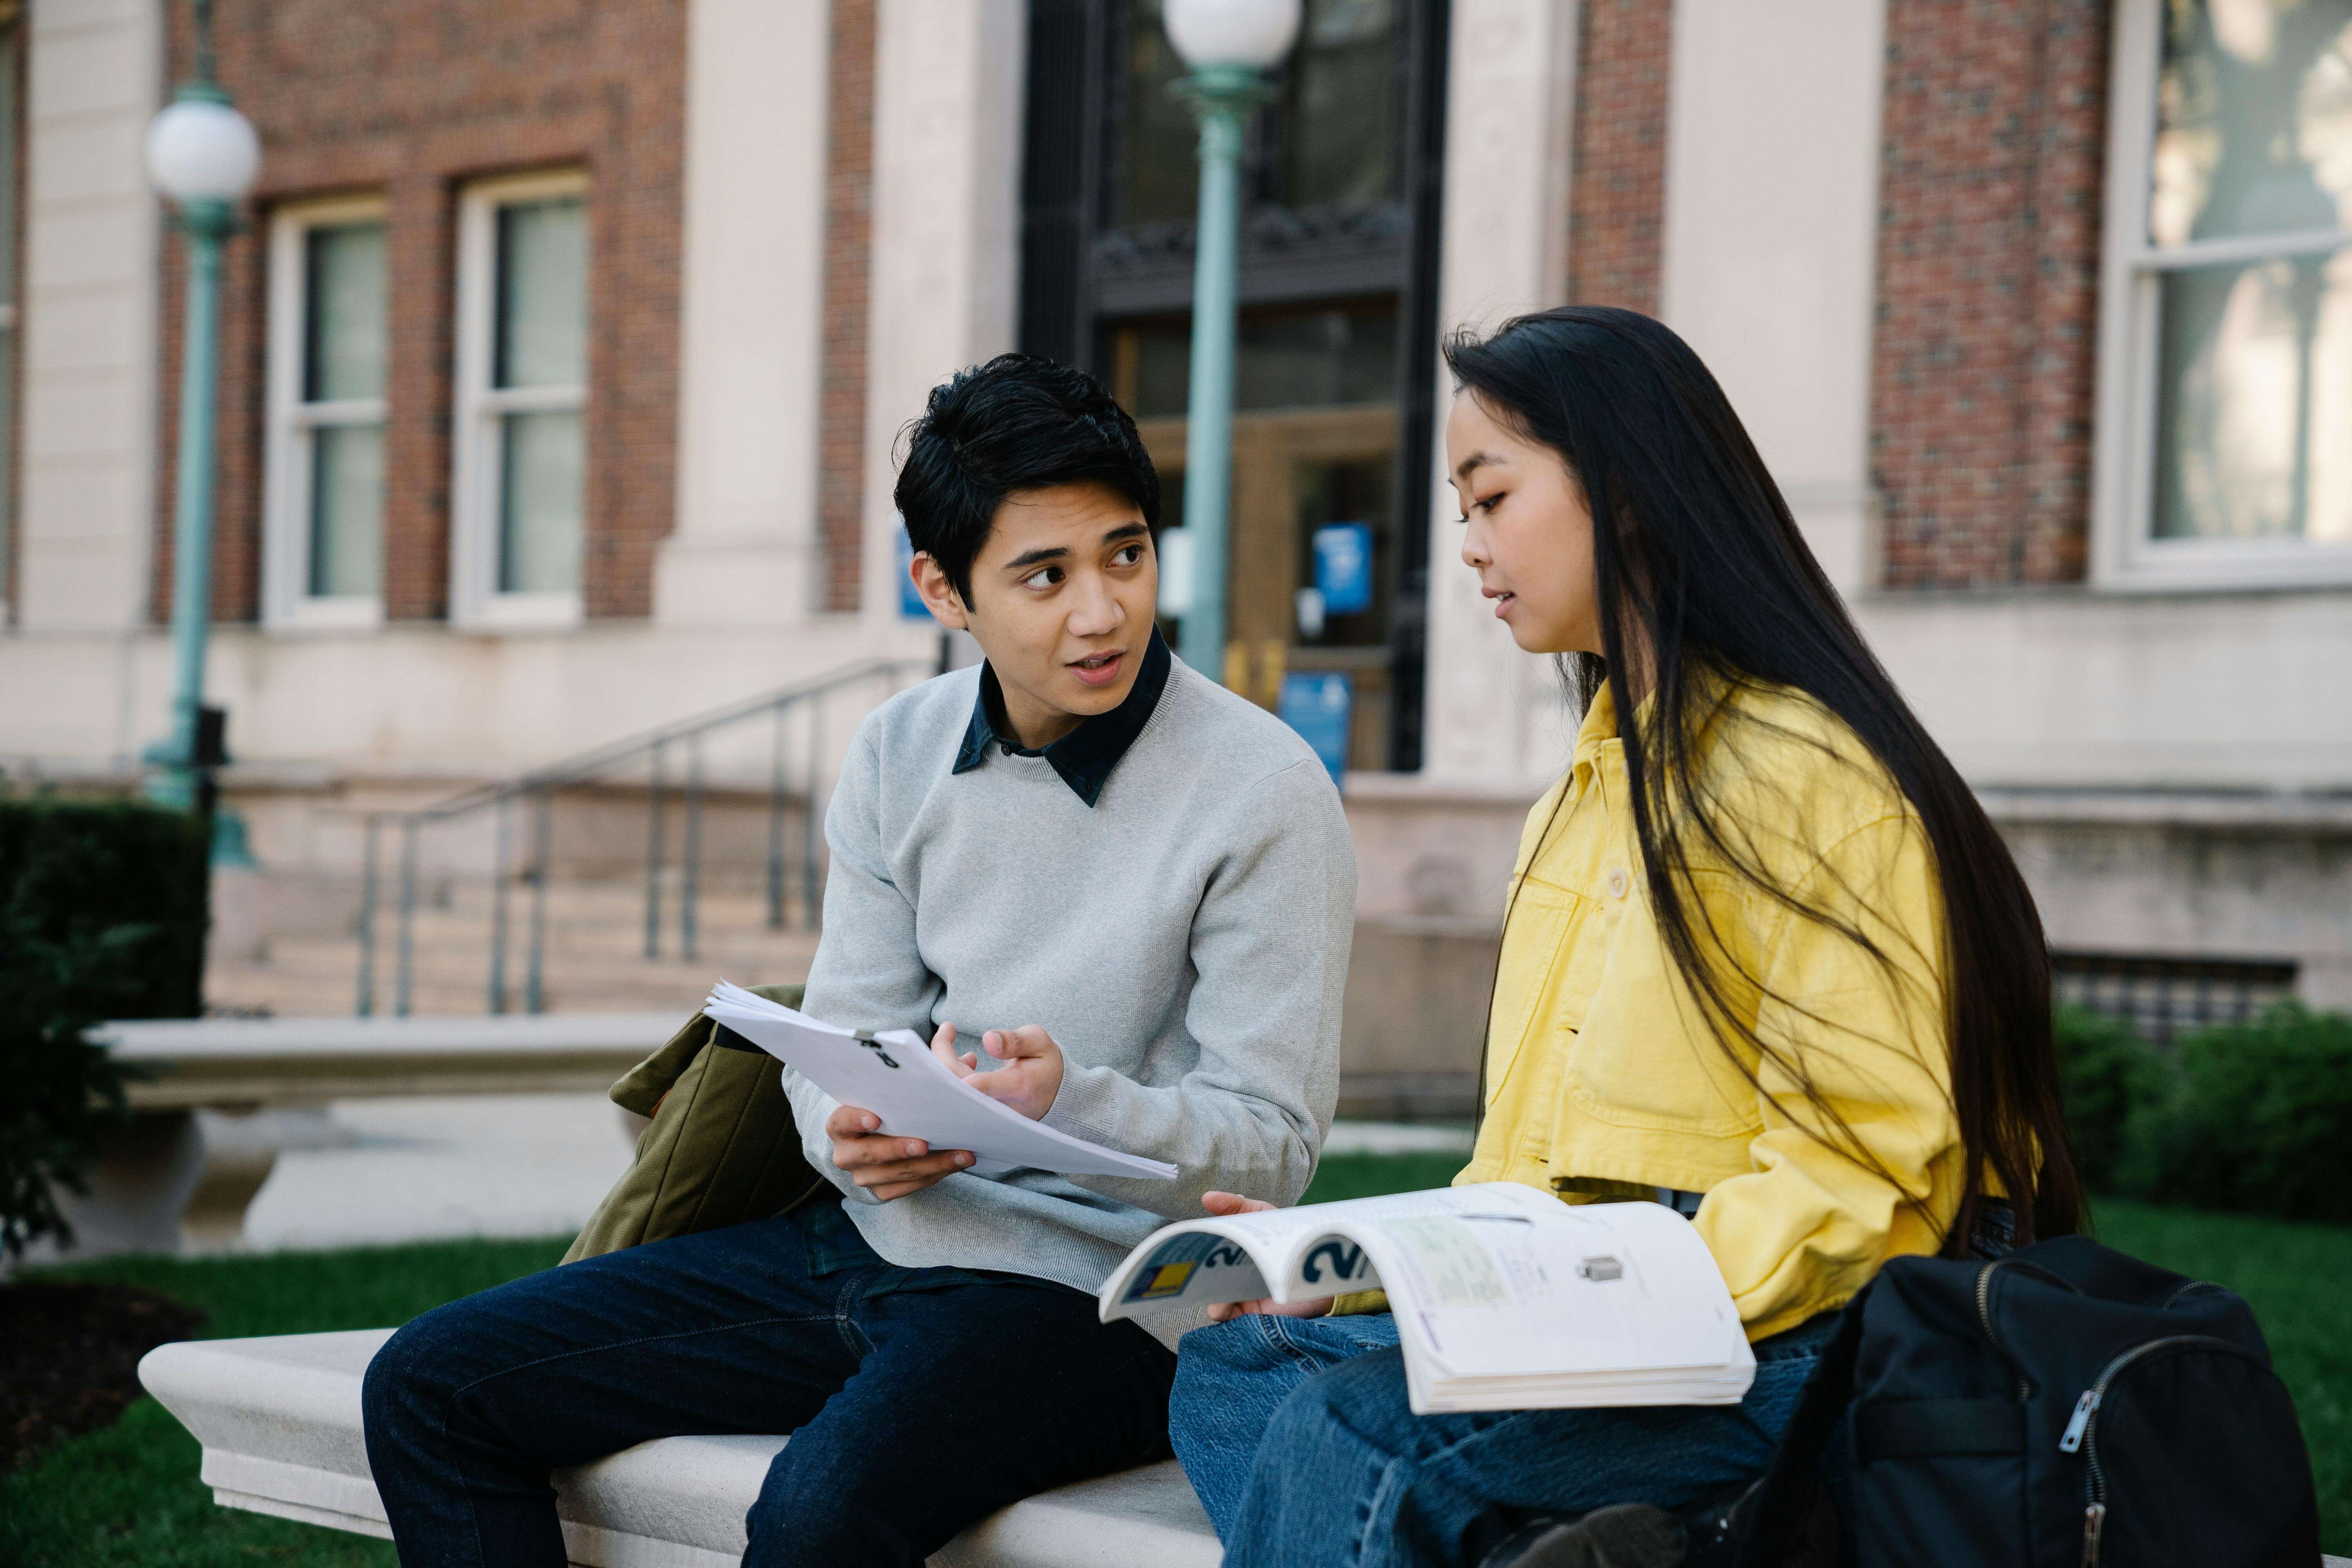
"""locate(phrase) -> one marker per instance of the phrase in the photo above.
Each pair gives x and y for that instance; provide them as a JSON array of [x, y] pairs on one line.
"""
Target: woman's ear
[[947, 606]]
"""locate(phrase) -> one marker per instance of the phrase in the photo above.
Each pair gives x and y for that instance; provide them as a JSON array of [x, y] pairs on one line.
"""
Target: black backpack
[[2064, 1406]]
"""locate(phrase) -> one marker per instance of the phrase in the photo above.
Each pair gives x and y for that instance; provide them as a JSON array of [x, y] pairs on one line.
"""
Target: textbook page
[[1309, 1251], [894, 1076], [1587, 1288], [1504, 1297]]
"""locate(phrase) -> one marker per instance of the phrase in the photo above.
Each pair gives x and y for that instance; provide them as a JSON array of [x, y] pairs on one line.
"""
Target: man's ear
[[940, 596]]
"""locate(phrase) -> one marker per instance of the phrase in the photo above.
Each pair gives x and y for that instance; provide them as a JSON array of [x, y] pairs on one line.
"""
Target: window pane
[[342, 331], [1159, 166], [2257, 395], [346, 511], [1285, 359], [543, 294], [1356, 490], [2254, 120], [540, 487], [1341, 111]]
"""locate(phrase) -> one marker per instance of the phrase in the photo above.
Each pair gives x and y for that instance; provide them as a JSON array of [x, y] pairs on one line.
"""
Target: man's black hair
[[1017, 422]]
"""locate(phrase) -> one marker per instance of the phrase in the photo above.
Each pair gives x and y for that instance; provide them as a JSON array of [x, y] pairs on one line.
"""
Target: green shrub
[[2256, 1119], [2104, 1068], [102, 915]]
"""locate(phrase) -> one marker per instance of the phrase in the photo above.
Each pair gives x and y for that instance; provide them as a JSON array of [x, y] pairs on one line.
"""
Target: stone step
[[470, 961]]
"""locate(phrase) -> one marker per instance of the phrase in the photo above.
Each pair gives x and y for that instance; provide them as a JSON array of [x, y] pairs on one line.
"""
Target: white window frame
[[2126, 556], [473, 498], [288, 604]]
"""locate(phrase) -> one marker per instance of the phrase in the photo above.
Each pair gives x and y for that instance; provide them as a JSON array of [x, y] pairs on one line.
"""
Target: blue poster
[[1318, 706], [1343, 568], [911, 603]]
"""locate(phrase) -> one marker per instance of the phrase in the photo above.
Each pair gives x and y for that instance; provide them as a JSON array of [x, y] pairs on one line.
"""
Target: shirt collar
[[1085, 756]]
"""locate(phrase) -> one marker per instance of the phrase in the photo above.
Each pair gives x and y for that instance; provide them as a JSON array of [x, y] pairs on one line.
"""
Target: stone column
[[744, 549], [1493, 717]]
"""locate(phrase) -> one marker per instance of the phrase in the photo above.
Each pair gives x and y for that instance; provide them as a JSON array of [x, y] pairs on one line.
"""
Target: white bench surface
[[279, 1422]]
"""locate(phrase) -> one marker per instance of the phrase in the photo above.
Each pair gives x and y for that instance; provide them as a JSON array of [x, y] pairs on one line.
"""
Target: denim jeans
[[913, 1413], [1296, 1435]]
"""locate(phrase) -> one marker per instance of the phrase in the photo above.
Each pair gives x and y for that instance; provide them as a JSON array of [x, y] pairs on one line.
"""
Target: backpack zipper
[[1984, 1316], [2082, 1433]]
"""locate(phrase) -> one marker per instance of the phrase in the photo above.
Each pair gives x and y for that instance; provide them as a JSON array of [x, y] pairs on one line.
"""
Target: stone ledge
[[282, 1061], [279, 1422]]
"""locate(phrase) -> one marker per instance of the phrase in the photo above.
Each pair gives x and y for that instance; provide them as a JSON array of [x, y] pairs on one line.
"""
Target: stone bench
[[279, 1422], [160, 1188]]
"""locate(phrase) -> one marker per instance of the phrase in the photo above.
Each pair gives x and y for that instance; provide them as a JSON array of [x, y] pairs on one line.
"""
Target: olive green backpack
[[721, 1147]]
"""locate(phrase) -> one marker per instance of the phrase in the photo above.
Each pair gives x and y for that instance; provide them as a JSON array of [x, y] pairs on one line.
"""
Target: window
[[1333, 134], [323, 553], [519, 497], [1284, 357], [2226, 373], [2163, 996]]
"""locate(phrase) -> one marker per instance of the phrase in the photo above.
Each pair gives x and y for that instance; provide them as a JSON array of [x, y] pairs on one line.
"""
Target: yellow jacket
[[1602, 1079]]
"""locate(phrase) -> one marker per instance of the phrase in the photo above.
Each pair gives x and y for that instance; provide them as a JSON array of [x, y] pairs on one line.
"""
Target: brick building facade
[[1617, 204], [848, 255], [1992, 171], [411, 102], [1913, 238]]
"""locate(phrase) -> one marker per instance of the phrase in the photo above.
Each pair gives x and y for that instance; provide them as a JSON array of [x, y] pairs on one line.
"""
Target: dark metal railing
[[800, 709]]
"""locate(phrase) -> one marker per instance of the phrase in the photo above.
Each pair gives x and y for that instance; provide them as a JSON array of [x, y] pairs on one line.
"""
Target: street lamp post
[[203, 155], [1229, 43]]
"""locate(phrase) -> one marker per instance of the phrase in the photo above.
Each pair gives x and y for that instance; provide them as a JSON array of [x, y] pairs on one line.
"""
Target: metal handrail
[[536, 790]]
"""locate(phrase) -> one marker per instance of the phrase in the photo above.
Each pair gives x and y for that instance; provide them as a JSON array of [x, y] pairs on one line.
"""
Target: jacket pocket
[[1645, 1056], [1542, 930]]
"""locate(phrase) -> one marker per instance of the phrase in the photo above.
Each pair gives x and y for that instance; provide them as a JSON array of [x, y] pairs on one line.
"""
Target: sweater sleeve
[[1831, 1197], [1269, 954], [868, 972]]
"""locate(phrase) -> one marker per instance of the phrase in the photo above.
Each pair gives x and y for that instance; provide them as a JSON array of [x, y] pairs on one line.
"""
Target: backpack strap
[[1785, 1496]]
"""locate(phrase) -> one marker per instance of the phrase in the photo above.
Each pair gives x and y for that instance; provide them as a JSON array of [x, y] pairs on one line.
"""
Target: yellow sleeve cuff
[[1357, 1302]]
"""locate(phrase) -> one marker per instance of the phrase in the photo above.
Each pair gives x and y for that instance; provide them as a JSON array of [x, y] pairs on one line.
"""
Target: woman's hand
[[1226, 1311], [1030, 1078]]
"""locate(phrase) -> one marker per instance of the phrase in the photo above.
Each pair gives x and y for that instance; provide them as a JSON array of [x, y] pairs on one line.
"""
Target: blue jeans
[[1296, 1435], [913, 1413]]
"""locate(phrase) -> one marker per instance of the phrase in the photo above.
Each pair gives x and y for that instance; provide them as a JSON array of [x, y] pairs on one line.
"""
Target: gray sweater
[[1184, 940]]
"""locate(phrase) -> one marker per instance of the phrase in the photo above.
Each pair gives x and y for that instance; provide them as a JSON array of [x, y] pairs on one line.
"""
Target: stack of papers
[[894, 1076]]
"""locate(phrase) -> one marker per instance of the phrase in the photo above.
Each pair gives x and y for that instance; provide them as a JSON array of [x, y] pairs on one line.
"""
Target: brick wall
[[1617, 197], [848, 229], [1988, 288], [411, 98]]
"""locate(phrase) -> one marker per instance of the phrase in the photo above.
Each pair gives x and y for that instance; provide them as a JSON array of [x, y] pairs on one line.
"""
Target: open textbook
[[894, 1076], [1506, 1298]]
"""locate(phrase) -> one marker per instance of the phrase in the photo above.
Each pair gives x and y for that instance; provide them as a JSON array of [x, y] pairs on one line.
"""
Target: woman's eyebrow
[[1474, 462]]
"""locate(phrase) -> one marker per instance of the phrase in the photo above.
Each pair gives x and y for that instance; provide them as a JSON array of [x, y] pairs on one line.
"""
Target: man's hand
[[1226, 1311], [1030, 1078], [887, 1167]]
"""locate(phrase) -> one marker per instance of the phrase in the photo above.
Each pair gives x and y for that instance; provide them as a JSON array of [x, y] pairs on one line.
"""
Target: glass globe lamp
[[1248, 35], [199, 149]]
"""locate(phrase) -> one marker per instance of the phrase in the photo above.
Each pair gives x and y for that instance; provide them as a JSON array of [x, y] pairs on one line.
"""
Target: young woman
[[1763, 958]]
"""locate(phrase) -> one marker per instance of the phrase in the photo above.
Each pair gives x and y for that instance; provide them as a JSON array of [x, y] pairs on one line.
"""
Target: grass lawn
[[129, 1497]]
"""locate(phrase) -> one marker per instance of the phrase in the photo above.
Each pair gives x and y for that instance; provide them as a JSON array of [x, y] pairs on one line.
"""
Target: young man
[[1129, 890]]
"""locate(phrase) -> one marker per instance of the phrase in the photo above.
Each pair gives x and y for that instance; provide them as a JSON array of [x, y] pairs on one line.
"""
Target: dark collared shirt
[[1085, 756]]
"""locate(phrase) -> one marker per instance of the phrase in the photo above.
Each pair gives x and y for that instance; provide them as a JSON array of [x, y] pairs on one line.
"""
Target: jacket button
[[1617, 883]]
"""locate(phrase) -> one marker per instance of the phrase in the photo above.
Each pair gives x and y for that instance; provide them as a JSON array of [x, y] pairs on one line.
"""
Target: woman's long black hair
[[1703, 576]]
